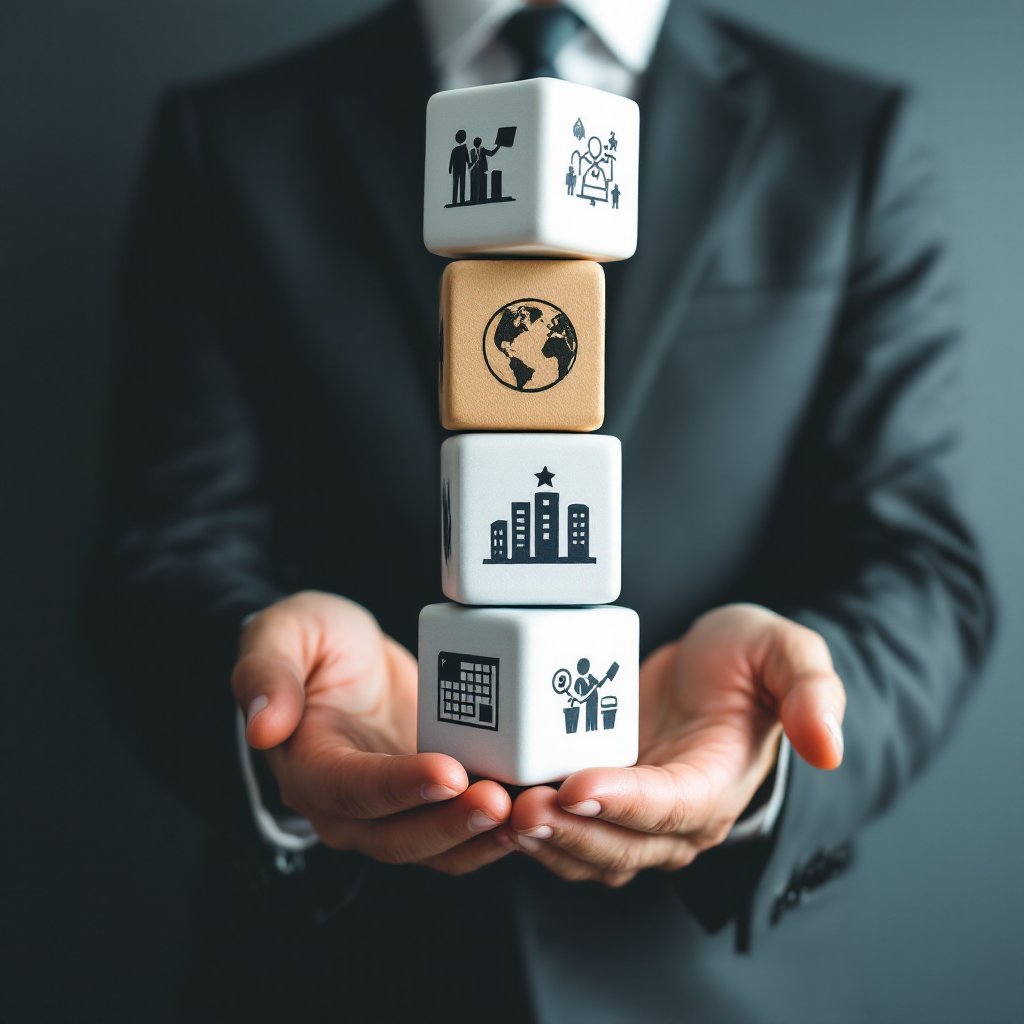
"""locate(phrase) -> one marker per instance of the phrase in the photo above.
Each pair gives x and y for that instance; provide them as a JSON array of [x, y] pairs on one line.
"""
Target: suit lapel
[[379, 114], [700, 123]]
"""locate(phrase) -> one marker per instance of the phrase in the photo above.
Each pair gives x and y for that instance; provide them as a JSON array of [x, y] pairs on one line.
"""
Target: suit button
[[817, 872]]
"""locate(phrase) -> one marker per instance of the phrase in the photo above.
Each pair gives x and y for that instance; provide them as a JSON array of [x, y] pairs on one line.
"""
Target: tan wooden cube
[[522, 345]]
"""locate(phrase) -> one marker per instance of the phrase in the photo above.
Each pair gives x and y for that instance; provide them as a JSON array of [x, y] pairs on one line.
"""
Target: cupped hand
[[713, 706], [332, 701]]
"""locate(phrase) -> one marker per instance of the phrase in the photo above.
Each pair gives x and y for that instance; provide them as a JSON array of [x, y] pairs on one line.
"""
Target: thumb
[[269, 684], [799, 674]]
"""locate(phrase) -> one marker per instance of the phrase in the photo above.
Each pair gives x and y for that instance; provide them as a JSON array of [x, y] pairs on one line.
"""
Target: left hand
[[713, 706]]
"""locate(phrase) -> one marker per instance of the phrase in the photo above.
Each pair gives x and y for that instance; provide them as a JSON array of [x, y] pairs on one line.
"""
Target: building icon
[[546, 533], [467, 689], [499, 538], [545, 519], [520, 532], [579, 533]]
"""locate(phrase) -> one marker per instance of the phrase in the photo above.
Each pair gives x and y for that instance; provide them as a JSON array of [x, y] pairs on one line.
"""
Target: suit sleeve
[[873, 544], [188, 530]]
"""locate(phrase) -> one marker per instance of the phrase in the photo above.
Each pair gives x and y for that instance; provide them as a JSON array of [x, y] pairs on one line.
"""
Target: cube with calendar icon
[[529, 695]]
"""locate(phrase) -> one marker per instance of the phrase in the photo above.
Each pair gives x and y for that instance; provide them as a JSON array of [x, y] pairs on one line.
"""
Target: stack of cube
[[531, 674]]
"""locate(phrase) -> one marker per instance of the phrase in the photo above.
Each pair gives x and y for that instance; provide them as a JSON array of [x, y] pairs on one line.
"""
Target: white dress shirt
[[611, 51]]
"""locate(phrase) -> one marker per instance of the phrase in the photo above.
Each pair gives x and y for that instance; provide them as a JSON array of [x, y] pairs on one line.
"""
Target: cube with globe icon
[[522, 345], [531, 519], [529, 695], [540, 167]]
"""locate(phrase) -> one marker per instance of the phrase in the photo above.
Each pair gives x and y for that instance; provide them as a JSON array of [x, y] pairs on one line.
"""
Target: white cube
[[534, 168], [531, 519], [529, 695]]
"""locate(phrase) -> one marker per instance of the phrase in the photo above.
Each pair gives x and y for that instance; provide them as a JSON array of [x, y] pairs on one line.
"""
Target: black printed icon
[[584, 691], [592, 168], [467, 690], [516, 532], [446, 520], [485, 184], [530, 345]]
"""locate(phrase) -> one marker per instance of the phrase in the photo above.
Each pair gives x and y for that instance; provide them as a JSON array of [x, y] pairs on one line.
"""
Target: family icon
[[593, 169]]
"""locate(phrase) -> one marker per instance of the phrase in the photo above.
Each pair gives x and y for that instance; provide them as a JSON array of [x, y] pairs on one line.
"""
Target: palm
[[712, 708], [360, 696], [704, 713]]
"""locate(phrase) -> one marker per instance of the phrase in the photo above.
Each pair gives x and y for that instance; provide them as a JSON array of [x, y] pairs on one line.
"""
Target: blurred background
[[97, 863]]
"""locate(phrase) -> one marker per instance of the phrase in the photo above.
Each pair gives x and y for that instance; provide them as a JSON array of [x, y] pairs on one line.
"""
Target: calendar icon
[[467, 690]]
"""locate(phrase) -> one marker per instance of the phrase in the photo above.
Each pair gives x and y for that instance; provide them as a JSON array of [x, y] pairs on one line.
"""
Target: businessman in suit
[[782, 373]]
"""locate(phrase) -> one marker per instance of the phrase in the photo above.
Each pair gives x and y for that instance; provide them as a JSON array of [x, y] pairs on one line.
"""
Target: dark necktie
[[536, 35]]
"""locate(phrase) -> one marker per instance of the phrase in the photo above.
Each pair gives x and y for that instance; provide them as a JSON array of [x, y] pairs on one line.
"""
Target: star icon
[[545, 476]]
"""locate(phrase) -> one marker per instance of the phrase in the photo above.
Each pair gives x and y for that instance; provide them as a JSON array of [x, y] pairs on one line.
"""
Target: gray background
[[99, 864]]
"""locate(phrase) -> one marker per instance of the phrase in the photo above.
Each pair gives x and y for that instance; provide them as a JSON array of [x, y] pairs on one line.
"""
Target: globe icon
[[530, 345]]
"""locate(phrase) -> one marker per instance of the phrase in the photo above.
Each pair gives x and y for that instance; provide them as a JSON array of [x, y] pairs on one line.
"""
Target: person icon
[[478, 171], [570, 181], [586, 689], [615, 197], [613, 143], [596, 167], [458, 163]]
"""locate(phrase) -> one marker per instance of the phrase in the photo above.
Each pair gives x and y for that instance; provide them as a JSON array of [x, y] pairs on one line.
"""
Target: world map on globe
[[530, 345]]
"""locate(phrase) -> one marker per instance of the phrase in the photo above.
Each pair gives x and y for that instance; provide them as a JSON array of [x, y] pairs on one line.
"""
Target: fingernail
[[585, 808], [480, 822], [524, 842], [831, 724], [257, 705], [538, 832], [435, 791]]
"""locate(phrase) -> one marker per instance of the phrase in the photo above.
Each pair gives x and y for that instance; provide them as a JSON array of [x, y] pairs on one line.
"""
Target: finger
[[415, 836], [269, 687], [361, 785], [798, 672], [567, 867], [662, 800], [473, 854], [538, 821]]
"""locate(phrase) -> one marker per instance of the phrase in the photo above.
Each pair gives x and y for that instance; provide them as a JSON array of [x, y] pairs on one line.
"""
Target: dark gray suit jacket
[[782, 370]]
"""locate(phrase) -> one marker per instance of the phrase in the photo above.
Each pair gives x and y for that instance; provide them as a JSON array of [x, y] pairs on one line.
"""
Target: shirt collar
[[457, 29]]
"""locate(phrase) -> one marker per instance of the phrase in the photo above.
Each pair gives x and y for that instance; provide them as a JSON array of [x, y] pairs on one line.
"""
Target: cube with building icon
[[531, 519], [540, 167], [529, 695]]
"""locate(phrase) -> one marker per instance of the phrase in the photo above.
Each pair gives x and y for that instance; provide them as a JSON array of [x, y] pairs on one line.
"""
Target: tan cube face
[[522, 345]]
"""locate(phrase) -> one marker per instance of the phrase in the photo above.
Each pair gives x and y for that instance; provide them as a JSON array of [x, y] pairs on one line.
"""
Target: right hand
[[332, 701]]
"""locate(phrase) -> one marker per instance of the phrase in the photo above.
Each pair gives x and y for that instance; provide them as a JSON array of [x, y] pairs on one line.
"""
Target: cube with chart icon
[[529, 695], [539, 167], [522, 345], [531, 519]]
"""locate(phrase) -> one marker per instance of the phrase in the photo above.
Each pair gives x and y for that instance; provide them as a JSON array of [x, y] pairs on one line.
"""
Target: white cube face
[[540, 167], [531, 519], [529, 695]]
